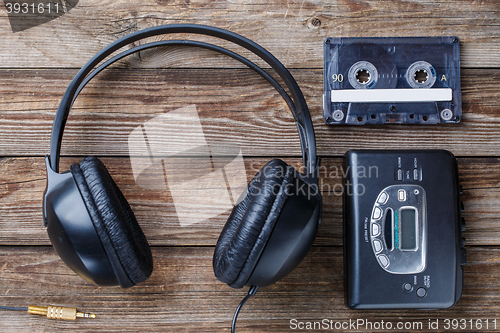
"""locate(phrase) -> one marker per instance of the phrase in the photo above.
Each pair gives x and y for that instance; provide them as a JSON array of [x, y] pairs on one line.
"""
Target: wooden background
[[236, 106]]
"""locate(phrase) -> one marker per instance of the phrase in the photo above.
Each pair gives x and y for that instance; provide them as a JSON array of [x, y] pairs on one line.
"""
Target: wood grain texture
[[235, 107], [183, 295], [23, 182], [246, 111], [284, 27]]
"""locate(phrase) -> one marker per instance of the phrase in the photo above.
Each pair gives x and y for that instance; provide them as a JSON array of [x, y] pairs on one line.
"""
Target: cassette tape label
[[392, 80]]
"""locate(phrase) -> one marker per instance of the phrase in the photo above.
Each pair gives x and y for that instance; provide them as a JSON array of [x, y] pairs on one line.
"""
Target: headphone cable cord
[[251, 292], [13, 308]]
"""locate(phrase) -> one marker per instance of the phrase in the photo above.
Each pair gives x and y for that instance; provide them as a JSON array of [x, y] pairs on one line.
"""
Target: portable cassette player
[[403, 246]]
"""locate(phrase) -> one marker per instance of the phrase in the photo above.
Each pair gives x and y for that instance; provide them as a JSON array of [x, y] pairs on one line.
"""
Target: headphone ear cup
[[250, 224], [121, 236]]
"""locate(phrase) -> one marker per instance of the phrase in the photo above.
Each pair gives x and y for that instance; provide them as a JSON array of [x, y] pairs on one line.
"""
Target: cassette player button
[[384, 261], [401, 195], [377, 245], [375, 229], [377, 213], [400, 174], [382, 198], [421, 292]]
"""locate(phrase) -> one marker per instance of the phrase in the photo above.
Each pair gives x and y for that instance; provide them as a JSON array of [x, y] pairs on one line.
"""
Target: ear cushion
[[115, 223], [250, 224]]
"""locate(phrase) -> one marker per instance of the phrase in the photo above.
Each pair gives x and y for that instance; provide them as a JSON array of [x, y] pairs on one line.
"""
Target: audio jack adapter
[[59, 312], [53, 312]]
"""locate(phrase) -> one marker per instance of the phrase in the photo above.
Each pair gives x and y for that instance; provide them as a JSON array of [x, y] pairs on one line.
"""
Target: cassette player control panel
[[403, 245], [403, 80]]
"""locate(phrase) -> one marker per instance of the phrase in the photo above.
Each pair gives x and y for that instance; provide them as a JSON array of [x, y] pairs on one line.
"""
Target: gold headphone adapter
[[59, 312]]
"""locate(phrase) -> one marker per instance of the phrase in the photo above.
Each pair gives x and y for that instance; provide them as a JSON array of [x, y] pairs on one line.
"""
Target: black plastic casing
[[293, 234], [73, 235], [367, 284]]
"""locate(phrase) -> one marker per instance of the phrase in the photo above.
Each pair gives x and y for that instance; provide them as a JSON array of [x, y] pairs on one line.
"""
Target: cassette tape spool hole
[[421, 74], [362, 75]]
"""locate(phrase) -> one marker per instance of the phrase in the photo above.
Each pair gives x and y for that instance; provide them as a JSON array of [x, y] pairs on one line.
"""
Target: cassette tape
[[402, 80]]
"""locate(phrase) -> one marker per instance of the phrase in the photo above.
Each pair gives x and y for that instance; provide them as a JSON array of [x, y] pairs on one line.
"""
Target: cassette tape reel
[[414, 80]]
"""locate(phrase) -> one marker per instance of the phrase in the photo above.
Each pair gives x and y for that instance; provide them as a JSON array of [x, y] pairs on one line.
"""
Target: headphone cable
[[251, 292], [13, 308]]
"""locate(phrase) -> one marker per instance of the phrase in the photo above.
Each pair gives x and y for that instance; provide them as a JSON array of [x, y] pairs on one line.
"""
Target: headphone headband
[[301, 111]]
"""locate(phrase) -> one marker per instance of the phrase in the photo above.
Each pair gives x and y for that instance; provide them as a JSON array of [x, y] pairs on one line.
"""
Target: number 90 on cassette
[[401, 80]]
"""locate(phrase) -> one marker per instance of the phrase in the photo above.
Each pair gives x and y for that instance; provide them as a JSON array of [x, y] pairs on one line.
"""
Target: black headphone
[[94, 230]]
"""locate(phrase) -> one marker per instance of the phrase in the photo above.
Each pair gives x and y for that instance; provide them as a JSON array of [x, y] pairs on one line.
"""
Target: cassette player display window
[[408, 229], [401, 80], [399, 229]]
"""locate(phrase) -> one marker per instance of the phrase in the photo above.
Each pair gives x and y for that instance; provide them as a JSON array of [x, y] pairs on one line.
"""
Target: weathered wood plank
[[235, 107], [292, 30], [22, 182], [183, 295], [246, 111]]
